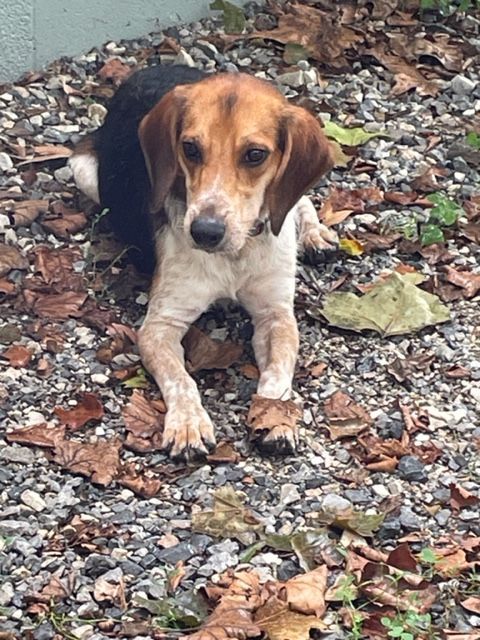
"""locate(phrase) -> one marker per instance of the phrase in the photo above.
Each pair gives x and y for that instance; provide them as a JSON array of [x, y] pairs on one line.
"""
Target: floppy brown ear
[[158, 133], [306, 157]]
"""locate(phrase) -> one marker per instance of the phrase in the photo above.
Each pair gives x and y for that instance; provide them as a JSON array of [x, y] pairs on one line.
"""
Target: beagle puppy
[[205, 175]]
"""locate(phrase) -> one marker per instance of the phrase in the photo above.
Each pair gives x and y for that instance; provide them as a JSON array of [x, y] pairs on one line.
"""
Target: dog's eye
[[192, 152], [254, 157]]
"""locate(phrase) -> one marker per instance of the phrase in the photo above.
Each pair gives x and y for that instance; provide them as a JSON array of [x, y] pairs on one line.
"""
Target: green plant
[[444, 213], [408, 625], [473, 139]]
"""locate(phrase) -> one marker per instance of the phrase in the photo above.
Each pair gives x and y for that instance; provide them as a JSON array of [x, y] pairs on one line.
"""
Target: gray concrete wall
[[34, 32]]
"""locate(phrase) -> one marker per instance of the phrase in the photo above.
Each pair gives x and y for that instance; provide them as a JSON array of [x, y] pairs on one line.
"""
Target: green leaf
[[387, 622], [428, 556], [394, 306], [407, 636], [431, 234], [396, 632], [233, 17], [293, 53], [350, 137], [137, 382], [445, 212], [473, 139]]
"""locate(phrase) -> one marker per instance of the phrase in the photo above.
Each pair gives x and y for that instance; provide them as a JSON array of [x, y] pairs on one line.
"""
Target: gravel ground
[[54, 523]]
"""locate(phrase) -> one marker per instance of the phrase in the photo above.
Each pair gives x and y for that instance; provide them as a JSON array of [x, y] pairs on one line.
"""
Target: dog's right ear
[[158, 133]]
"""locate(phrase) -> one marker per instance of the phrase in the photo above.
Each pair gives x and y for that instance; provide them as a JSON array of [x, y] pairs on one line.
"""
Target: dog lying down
[[206, 175]]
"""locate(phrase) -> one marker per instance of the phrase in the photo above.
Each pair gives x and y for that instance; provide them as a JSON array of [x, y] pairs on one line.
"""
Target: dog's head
[[244, 153]]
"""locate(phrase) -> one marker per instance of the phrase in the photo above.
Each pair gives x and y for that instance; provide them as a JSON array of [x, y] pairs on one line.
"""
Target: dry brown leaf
[[224, 453], [201, 352], [47, 152], [319, 33], [144, 485], [89, 408], [40, 435], [345, 418], [105, 591], [98, 461], [471, 231], [238, 596], [468, 281], [406, 76], [55, 266], [471, 604], [427, 181], [26, 211], [318, 370], [401, 197], [305, 593], [271, 419], [65, 222], [18, 356], [457, 372], [58, 305], [175, 577], [144, 421], [115, 70], [402, 558], [11, 258], [452, 562], [374, 241], [55, 590], [460, 498], [250, 371], [279, 622]]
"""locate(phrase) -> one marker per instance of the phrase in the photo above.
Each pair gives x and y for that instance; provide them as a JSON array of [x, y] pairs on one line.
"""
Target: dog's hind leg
[[84, 166]]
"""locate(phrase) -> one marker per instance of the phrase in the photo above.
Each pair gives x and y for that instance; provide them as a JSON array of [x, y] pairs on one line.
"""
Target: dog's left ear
[[306, 156]]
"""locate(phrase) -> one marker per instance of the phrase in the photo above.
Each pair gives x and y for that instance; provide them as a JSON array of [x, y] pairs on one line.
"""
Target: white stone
[[291, 78], [475, 393], [84, 632], [380, 490], [33, 500], [462, 86], [100, 378], [64, 174], [6, 162], [6, 594]]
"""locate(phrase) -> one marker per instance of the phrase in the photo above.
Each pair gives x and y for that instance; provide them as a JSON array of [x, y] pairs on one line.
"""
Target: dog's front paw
[[188, 432], [273, 425], [320, 244]]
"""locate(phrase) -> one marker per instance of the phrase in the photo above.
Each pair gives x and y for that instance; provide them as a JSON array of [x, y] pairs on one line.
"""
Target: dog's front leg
[[188, 429], [275, 342]]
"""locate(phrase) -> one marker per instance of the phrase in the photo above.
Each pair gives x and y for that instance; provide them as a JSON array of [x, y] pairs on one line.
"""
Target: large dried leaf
[[468, 281], [98, 461], [106, 591], [306, 593], [229, 517], [201, 352], [40, 435], [407, 77], [460, 498], [11, 258], [270, 419], [345, 417], [144, 421], [58, 305], [17, 355], [47, 152], [393, 307], [63, 221], [352, 520], [26, 211], [471, 604], [55, 267], [279, 622], [88, 409]]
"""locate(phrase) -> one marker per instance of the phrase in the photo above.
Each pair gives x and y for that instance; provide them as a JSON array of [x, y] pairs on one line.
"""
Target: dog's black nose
[[207, 232]]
